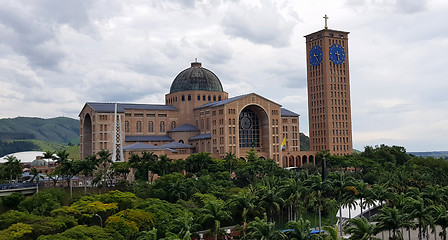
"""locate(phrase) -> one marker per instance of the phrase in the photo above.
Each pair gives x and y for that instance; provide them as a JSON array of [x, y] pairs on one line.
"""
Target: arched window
[[162, 126], [203, 97], [199, 97], [249, 129], [139, 126], [214, 98], [173, 124], [183, 98], [151, 126], [219, 98], [189, 97], [209, 98], [126, 126]]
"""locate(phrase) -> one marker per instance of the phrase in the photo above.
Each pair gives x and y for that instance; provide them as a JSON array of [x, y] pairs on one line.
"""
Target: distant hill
[[304, 142], [60, 129], [435, 154]]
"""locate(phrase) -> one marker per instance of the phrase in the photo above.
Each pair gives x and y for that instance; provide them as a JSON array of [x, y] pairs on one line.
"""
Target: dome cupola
[[196, 78]]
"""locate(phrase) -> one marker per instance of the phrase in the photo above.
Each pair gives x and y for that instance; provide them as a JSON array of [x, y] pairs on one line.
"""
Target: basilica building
[[198, 116]]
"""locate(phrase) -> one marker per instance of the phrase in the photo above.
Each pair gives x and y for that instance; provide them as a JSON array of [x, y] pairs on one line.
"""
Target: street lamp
[[101, 219]]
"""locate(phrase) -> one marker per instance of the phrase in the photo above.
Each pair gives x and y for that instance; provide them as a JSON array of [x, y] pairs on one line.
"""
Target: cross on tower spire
[[326, 18]]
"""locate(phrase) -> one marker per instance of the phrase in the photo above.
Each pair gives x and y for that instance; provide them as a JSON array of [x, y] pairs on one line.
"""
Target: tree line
[[259, 199]]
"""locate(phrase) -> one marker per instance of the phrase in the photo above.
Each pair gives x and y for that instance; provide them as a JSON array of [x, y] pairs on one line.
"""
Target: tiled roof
[[222, 102], [201, 136], [185, 128], [110, 107], [175, 145], [140, 146], [155, 138], [285, 112]]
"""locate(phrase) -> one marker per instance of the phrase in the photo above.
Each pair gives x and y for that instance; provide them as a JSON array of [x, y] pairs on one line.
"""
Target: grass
[[73, 151]]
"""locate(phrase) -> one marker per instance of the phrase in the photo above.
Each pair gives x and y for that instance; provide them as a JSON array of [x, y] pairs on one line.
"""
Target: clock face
[[337, 54], [315, 55], [245, 123]]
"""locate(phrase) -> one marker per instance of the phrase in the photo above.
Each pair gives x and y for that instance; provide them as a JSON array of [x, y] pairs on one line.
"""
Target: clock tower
[[328, 82]]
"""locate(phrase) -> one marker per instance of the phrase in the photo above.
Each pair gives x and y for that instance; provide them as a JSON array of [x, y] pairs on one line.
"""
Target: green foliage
[[84, 210], [41, 203], [198, 162], [12, 201], [162, 211], [40, 225], [83, 232], [124, 200], [16, 231]]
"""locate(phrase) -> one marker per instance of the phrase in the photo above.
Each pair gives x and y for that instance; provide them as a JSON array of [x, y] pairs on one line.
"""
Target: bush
[[13, 200], [40, 204]]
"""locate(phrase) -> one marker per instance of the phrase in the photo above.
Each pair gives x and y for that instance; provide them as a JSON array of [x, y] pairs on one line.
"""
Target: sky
[[56, 55]]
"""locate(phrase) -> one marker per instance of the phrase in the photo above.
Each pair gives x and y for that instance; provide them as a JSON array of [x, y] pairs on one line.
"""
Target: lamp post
[[101, 219]]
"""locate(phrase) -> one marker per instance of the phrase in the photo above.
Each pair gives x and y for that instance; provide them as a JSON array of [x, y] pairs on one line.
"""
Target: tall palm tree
[[300, 229], [360, 229], [417, 209], [261, 229], [213, 214], [391, 219], [331, 232], [271, 199], [13, 167], [36, 177], [244, 203], [87, 167], [293, 192], [183, 225], [441, 219]]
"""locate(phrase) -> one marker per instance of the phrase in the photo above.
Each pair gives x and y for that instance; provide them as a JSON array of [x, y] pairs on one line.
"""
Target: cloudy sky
[[56, 55]]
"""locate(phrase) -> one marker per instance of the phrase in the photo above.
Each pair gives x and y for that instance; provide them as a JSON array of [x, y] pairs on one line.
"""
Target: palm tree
[[36, 177], [271, 199], [393, 220], [213, 214], [66, 167], [331, 232], [13, 167], [417, 209], [183, 225], [87, 167], [293, 191], [300, 229], [263, 230], [441, 219], [244, 204], [103, 164], [148, 235], [360, 229]]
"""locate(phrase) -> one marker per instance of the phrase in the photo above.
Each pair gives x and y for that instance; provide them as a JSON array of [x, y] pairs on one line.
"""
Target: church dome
[[196, 78]]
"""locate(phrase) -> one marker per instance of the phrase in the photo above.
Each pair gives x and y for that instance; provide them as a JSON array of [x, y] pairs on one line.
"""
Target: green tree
[[12, 201], [391, 219], [300, 229], [83, 232], [213, 214], [16, 231], [261, 229], [360, 229], [13, 167], [41, 203], [441, 219], [417, 209], [198, 161]]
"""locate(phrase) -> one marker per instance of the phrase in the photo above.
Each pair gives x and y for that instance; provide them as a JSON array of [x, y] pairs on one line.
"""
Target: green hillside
[[60, 129]]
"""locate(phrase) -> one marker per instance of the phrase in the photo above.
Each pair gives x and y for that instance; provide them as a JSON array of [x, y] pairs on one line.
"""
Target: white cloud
[[56, 55]]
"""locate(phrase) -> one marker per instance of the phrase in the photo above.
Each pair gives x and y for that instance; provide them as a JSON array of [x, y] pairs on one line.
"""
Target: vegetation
[[177, 199]]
